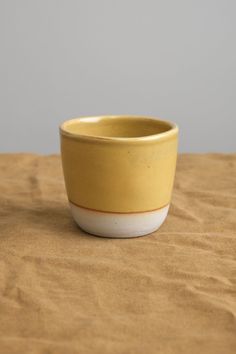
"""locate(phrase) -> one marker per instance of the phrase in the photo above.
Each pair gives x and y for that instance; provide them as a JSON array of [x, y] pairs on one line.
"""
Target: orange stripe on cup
[[118, 212]]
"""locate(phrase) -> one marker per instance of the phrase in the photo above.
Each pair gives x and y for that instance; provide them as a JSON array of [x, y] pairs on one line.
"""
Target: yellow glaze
[[119, 163]]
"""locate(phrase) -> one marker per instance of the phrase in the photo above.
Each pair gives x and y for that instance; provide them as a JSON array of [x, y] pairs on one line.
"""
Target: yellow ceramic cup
[[119, 172]]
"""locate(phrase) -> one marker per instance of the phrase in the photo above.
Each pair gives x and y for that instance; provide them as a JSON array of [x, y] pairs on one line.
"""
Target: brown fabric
[[63, 291]]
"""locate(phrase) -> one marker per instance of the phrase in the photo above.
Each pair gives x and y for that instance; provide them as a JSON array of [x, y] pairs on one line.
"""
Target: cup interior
[[116, 127]]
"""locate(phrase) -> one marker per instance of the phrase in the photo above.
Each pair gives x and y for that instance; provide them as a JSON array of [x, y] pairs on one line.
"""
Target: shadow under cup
[[119, 173]]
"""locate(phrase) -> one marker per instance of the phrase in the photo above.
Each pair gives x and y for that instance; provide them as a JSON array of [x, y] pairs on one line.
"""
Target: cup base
[[118, 225]]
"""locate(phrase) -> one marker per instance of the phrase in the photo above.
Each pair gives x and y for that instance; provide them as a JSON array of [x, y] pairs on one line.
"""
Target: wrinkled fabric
[[64, 291]]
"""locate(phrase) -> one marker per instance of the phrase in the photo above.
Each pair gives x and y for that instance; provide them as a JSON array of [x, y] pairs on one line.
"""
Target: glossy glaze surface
[[119, 163]]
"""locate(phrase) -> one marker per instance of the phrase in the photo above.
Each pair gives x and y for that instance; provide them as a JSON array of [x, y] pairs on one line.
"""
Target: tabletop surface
[[64, 291]]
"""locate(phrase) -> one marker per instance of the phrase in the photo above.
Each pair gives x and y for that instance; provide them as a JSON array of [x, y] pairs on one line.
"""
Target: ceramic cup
[[119, 173]]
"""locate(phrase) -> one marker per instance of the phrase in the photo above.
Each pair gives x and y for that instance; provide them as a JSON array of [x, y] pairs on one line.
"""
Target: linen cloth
[[64, 291]]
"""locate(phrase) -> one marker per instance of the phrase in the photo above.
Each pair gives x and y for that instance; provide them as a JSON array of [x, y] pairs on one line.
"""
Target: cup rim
[[153, 137]]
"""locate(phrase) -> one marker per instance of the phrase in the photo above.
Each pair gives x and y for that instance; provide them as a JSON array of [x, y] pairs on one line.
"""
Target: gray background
[[67, 58]]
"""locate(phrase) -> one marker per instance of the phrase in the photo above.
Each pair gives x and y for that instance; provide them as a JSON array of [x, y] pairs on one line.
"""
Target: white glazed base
[[118, 225]]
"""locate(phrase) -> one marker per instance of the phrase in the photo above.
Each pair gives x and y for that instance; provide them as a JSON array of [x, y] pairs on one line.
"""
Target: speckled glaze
[[119, 172]]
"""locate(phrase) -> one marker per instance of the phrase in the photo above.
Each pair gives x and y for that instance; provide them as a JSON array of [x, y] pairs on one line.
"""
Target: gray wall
[[167, 58]]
